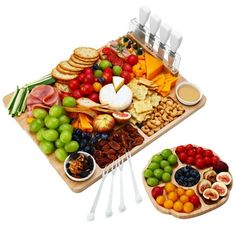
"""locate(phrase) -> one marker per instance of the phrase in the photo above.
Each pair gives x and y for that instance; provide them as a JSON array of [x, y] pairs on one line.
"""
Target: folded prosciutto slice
[[42, 96]]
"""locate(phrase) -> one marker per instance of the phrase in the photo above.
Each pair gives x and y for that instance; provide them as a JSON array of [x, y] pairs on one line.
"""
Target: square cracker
[[143, 106]]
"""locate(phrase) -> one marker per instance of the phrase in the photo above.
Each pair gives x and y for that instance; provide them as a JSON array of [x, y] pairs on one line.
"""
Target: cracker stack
[[83, 57]]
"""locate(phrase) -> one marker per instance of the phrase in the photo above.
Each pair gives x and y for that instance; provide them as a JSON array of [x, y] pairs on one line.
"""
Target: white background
[[35, 36]]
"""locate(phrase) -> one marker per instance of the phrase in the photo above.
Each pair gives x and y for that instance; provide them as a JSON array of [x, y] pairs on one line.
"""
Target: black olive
[[135, 46], [84, 174], [125, 39], [140, 51]]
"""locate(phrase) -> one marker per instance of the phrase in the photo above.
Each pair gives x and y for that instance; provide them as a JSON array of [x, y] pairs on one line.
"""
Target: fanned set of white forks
[[115, 165]]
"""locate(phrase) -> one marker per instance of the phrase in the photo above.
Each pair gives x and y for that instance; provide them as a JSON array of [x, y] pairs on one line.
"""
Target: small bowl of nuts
[[79, 166]]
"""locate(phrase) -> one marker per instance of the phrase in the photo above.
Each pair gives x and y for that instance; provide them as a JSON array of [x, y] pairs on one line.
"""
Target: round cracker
[[62, 87], [85, 60], [78, 61], [66, 66], [81, 66], [86, 53], [67, 72], [58, 75]]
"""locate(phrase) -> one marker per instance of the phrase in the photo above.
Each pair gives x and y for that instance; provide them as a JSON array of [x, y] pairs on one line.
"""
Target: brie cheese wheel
[[116, 100]]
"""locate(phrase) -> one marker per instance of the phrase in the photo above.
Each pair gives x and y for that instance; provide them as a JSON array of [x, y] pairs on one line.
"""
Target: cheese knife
[[175, 41], [165, 31], [144, 13], [155, 22]]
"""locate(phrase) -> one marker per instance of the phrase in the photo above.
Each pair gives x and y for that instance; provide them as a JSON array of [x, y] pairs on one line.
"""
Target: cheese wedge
[[118, 82], [154, 66]]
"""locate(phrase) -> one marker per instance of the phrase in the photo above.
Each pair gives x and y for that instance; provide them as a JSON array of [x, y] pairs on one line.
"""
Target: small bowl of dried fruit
[[79, 166]]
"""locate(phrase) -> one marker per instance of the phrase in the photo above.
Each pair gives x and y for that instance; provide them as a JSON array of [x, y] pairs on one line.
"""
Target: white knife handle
[[165, 31], [144, 13], [175, 41], [155, 22]]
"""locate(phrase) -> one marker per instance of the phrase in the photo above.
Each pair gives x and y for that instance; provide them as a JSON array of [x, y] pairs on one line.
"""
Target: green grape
[[56, 111], [64, 119], [59, 143], [64, 127], [61, 154], [39, 135], [66, 136], [71, 146], [36, 125], [51, 122], [46, 147], [50, 135], [69, 101], [39, 113]]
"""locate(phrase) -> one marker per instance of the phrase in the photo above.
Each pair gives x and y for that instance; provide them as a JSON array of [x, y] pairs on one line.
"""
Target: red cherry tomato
[[190, 160], [208, 153], [199, 150], [108, 70], [189, 146], [88, 71], [77, 94], [94, 97], [81, 77], [63, 94], [86, 89], [126, 75], [194, 199], [89, 79], [183, 157], [208, 161], [107, 76], [74, 84], [157, 191], [198, 156], [191, 152], [107, 50], [180, 149], [118, 62], [215, 160], [132, 60], [200, 164], [127, 67]]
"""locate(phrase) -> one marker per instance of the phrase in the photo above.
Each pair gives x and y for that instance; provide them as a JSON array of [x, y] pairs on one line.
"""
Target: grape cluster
[[88, 140]]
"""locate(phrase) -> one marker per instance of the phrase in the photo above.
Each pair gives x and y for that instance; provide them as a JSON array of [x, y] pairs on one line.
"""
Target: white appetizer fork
[[91, 214], [122, 206], [109, 205], [138, 197]]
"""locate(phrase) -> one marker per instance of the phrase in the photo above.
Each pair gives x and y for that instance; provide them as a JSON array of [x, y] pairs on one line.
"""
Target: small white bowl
[[79, 179], [188, 103]]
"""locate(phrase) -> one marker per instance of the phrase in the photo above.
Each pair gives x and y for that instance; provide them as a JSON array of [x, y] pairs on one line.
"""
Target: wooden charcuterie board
[[202, 209], [80, 186]]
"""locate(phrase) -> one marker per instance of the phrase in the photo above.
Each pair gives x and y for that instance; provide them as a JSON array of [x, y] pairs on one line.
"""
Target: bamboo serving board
[[204, 208], [80, 186]]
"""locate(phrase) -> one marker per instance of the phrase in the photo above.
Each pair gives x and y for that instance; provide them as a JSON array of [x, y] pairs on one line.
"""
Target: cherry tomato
[[180, 149], [199, 150], [198, 156], [86, 89], [208, 161], [183, 157], [107, 50], [118, 62], [111, 57], [74, 84], [194, 199], [94, 97], [64, 94], [77, 94], [132, 60], [215, 160], [108, 77], [108, 70], [189, 146], [88, 71], [81, 77], [97, 87], [200, 164], [191, 152], [190, 160], [208, 153], [126, 75], [127, 67], [89, 79]]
